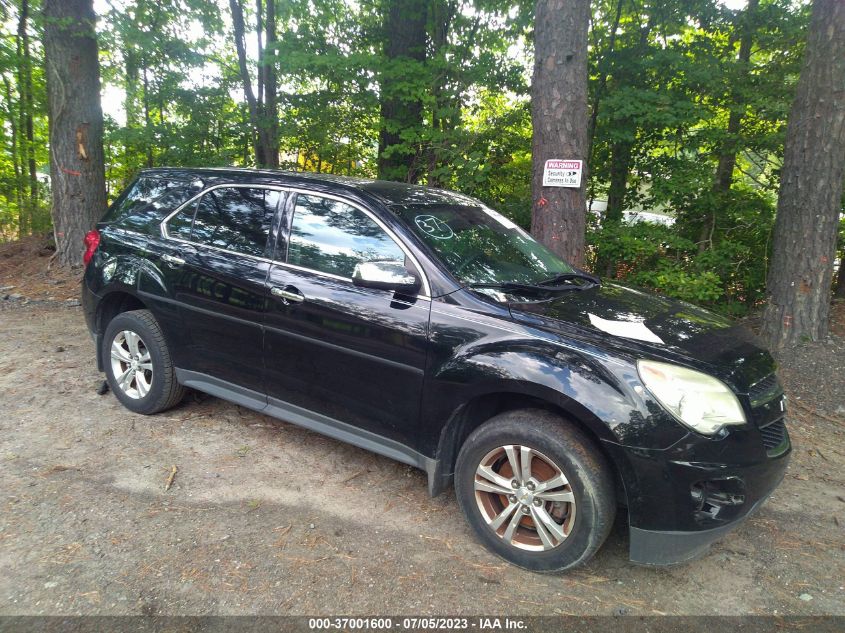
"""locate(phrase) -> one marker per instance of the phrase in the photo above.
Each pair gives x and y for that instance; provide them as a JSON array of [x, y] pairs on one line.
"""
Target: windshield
[[480, 246]]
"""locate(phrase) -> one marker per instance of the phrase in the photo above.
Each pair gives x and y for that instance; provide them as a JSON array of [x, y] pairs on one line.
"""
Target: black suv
[[422, 325]]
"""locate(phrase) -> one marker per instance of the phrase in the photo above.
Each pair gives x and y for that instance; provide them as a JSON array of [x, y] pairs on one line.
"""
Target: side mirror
[[385, 275]]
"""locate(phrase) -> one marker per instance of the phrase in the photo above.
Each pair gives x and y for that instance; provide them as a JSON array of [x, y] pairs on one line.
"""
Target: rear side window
[[234, 218], [331, 237], [146, 202], [179, 226]]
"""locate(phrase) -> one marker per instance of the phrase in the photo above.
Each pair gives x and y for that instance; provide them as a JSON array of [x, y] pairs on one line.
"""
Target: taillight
[[91, 241]]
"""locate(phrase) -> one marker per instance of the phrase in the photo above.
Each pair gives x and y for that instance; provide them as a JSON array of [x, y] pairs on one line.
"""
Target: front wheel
[[138, 367], [535, 490]]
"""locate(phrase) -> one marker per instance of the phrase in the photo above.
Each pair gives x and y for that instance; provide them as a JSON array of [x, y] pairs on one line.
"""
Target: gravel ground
[[267, 518]]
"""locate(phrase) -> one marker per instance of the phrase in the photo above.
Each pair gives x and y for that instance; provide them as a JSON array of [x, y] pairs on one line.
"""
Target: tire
[[583, 508], [151, 386]]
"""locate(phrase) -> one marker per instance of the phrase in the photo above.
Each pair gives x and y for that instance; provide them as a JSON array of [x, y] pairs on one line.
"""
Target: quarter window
[[142, 206], [332, 237], [179, 226], [233, 218]]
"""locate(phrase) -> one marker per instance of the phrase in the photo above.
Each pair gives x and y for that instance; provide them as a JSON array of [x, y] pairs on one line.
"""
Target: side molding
[[322, 424]]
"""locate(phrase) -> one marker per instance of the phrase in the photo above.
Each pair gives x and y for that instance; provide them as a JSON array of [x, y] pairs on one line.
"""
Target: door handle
[[287, 295], [172, 260]]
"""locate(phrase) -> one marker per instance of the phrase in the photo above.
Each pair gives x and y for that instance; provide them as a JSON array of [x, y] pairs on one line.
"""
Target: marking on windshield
[[435, 227]]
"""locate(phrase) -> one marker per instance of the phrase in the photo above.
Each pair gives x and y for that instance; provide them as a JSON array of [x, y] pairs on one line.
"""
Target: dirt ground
[[266, 518]]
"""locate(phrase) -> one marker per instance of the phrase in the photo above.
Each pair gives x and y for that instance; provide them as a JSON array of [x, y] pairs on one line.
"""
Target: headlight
[[703, 403]]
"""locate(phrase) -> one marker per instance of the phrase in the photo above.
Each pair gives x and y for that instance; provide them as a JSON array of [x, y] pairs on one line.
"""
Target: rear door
[[353, 355], [218, 265]]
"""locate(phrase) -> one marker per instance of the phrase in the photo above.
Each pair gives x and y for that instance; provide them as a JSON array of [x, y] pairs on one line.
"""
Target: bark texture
[[809, 203], [559, 118], [401, 115], [76, 124]]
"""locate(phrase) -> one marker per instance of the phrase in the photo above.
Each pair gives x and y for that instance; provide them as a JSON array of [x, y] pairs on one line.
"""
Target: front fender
[[558, 376], [596, 393], [475, 355]]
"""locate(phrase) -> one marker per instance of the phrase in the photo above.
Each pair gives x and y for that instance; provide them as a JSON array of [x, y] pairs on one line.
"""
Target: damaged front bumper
[[684, 498]]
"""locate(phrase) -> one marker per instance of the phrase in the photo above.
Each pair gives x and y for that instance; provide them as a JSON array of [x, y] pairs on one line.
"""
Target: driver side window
[[331, 237]]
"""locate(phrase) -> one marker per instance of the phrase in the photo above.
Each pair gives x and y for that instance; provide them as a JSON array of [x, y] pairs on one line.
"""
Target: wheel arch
[[110, 305], [475, 412]]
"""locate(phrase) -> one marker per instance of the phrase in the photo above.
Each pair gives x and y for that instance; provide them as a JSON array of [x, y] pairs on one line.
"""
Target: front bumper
[[682, 499], [668, 547]]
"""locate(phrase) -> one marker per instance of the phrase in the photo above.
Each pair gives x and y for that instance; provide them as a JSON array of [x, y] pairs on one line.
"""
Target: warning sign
[[562, 173]]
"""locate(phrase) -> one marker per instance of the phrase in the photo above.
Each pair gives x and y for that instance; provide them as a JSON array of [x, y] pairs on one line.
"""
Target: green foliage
[[730, 277], [329, 108], [22, 96], [664, 80]]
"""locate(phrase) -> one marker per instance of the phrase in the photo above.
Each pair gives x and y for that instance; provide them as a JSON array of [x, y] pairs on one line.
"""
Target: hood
[[639, 324]]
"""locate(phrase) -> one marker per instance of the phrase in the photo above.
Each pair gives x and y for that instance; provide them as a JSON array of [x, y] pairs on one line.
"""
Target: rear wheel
[[535, 490], [138, 367]]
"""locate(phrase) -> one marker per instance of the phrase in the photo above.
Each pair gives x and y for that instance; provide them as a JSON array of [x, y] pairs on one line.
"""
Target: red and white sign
[[562, 173]]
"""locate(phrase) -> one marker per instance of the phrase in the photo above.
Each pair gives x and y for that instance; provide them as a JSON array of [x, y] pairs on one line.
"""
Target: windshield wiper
[[563, 278], [511, 286]]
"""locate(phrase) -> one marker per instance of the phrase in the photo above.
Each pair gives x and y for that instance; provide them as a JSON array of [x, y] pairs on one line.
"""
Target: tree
[[76, 123], [730, 145], [809, 202], [261, 103], [173, 116], [559, 118], [267, 63], [402, 84], [839, 287], [26, 115]]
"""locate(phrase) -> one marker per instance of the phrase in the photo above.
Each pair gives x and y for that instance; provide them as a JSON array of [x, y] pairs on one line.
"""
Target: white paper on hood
[[627, 329]]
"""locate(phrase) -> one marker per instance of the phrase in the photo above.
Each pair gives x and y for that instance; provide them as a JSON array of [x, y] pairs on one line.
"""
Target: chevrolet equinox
[[422, 325]]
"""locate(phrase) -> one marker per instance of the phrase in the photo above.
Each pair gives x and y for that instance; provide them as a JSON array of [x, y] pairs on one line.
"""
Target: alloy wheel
[[131, 364], [525, 498]]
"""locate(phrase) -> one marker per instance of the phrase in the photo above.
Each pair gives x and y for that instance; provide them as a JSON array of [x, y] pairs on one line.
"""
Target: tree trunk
[[839, 289], [620, 165], [727, 158], [809, 201], [130, 106], [76, 124], [252, 104], [622, 149], [27, 109], [559, 118], [601, 85], [147, 118], [445, 114], [271, 116], [15, 154], [130, 99], [259, 72], [405, 29]]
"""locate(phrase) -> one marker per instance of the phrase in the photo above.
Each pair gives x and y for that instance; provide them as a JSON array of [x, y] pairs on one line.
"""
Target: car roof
[[388, 192]]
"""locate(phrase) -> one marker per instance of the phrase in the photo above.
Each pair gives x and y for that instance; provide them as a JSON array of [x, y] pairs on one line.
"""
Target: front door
[[353, 355]]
